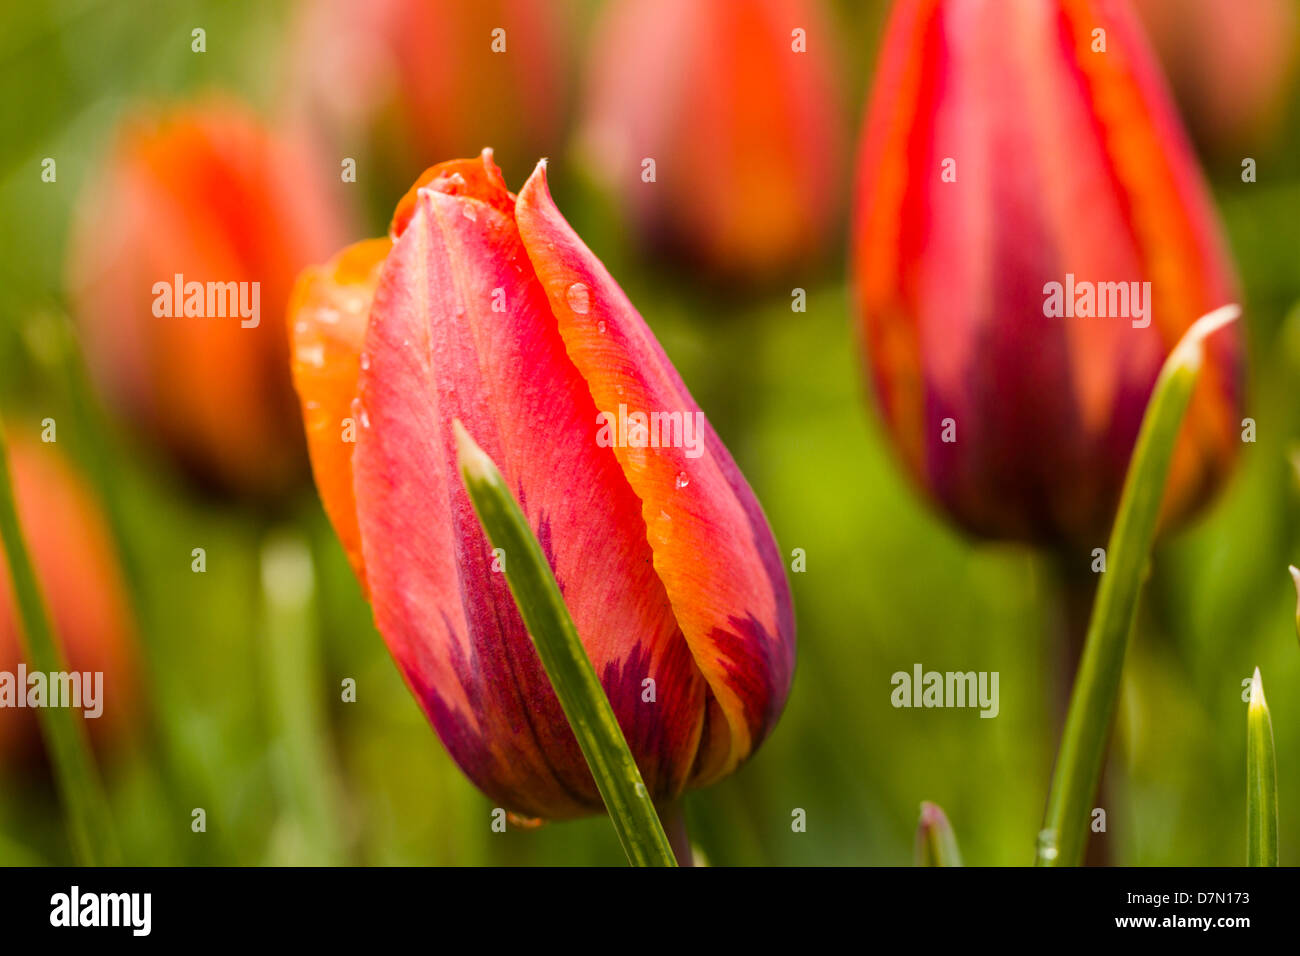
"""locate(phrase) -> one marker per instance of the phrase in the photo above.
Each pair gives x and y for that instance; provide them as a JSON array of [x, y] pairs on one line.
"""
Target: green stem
[[1092, 705], [305, 775], [90, 823], [565, 659], [1261, 781]]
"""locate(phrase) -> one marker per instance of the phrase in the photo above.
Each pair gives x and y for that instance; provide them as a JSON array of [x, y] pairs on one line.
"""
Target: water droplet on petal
[[1047, 845], [682, 479], [313, 355], [365, 361], [468, 212], [360, 414], [579, 298], [600, 327]]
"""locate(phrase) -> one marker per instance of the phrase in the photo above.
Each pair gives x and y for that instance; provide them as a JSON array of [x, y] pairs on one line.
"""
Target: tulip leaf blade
[[565, 660], [1261, 780], [90, 823], [1096, 687], [936, 843]]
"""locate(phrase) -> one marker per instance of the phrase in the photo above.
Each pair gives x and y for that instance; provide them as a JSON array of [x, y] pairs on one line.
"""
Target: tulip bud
[[489, 309], [419, 79], [1230, 63], [75, 562], [1031, 238], [184, 252], [717, 123]]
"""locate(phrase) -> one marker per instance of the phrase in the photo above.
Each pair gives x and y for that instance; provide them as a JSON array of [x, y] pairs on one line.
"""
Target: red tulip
[[209, 195], [491, 310], [717, 92], [1231, 63], [1000, 155], [75, 561], [430, 78]]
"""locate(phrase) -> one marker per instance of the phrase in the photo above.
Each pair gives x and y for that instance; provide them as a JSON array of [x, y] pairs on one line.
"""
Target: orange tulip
[[1032, 236], [489, 309], [75, 562], [184, 253], [737, 107]]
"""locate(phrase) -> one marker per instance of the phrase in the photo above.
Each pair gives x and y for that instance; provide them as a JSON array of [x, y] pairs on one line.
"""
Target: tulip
[[75, 562], [1230, 63], [202, 199], [420, 79], [736, 105], [490, 309], [1006, 170]]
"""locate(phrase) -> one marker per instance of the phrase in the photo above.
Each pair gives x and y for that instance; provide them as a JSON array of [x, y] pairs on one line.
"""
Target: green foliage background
[[887, 585]]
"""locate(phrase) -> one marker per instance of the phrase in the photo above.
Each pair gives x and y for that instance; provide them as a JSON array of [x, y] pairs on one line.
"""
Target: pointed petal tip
[[536, 182]]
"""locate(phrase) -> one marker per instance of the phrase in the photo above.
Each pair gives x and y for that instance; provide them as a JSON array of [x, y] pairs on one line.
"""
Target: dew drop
[[313, 355], [682, 479], [579, 298], [360, 414], [365, 361], [468, 212], [600, 327]]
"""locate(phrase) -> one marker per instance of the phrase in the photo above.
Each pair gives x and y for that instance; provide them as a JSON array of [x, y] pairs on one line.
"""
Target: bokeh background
[[239, 668]]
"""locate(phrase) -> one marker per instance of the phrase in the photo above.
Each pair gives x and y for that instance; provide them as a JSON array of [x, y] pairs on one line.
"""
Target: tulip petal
[[460, 328], [327, 316], [712, 547]]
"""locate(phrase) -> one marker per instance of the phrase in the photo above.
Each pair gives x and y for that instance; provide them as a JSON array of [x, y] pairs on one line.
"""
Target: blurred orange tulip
[[425, 79], [184, 253], [1229, 61], [76, 564], [736, 105]]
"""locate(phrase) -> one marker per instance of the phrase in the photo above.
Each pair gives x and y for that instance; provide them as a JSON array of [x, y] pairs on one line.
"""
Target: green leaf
[[565, 659], [936, 844], [90, 823], [1092, 704], [1261, 780]]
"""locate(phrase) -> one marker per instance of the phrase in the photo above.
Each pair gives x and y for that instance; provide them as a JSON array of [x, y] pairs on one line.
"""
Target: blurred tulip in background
[[209, 194], [491, 310], [76, 564], [738, 107], [1002, 152], [421, 79]]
